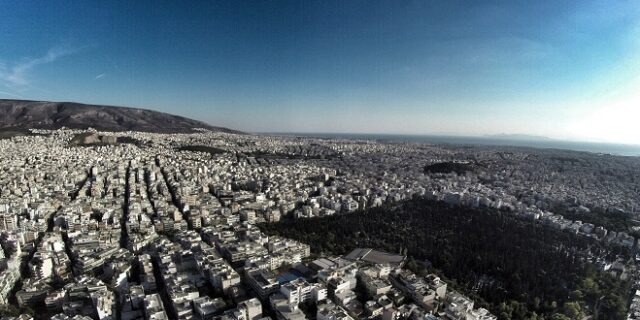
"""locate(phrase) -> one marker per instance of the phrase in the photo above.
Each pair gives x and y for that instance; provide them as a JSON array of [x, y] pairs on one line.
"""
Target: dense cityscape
[[134, 225], [320, 160]]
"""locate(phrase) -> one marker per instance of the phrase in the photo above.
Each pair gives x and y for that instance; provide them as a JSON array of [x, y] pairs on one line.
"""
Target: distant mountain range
[[24, 114], [517, 137]]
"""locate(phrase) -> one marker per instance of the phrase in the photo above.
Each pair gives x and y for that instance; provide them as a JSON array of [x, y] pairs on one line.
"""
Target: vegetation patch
[[534, 271], [609, 219], [449, 167], [10, 133]]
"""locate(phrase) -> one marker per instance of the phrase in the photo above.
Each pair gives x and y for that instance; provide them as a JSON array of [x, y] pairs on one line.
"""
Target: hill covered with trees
[[517, 269]]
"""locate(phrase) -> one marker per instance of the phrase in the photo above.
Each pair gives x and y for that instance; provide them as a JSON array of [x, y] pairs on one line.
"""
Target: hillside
[[515, 268], [23, 114]]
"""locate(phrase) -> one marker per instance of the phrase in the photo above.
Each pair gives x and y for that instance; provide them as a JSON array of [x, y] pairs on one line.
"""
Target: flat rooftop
[[375, 256]]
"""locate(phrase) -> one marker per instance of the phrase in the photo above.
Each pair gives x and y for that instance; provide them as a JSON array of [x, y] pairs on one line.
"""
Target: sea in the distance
[[603, 148]]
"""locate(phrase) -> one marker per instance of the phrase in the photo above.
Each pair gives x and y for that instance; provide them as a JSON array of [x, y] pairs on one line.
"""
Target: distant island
[[517, 137]]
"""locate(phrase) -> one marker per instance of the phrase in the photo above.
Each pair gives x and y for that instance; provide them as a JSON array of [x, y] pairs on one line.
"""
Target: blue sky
[[564, 69]]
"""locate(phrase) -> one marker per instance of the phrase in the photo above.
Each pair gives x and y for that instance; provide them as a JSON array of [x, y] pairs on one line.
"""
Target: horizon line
[[525, 137]]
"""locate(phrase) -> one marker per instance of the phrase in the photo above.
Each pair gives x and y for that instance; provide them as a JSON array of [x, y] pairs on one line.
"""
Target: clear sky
[[563, 69]]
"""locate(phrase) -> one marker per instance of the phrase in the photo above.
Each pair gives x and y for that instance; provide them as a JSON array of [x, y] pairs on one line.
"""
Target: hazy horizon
[[565, 70], [506, 137]]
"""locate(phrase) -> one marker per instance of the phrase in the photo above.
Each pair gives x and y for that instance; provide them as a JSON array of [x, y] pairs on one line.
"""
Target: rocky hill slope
[[23, 114]]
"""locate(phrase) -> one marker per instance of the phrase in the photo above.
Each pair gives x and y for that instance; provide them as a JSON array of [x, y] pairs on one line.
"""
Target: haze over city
[[561, 69]]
